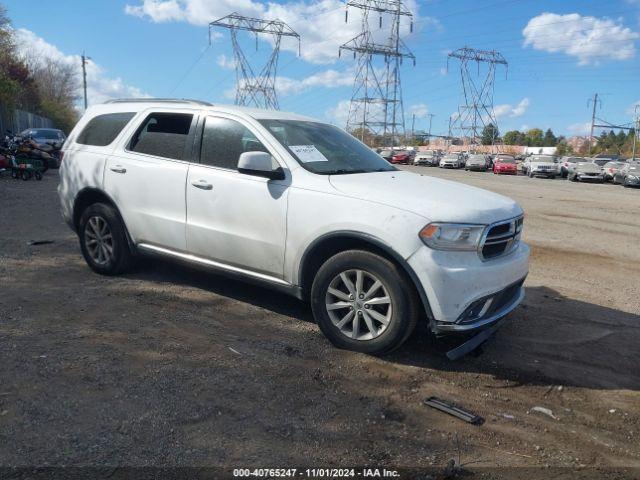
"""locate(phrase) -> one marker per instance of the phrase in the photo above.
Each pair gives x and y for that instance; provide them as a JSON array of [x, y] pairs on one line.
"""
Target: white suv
[[297, 205]]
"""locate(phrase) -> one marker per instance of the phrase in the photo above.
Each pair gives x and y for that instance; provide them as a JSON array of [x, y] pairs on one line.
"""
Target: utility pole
[[413, 126], [84, 78], [636, 130], [431, 115], [593, 120]]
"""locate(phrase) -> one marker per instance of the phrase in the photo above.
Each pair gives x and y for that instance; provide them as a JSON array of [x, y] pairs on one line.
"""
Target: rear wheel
[[364, 302], [103, 240]]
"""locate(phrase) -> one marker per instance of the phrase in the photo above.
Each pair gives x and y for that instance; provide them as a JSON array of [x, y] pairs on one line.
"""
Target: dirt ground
[[167, 366]]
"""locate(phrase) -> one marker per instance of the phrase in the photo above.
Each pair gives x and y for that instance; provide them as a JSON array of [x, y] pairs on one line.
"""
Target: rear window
[[103, 129], [163, 135]]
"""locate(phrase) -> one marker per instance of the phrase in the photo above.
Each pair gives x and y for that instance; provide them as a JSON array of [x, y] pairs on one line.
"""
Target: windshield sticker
[[308, 153]]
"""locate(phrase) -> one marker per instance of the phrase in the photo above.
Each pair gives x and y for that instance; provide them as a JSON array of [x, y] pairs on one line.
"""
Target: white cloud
[[339, 114], [100, 87], [579, 128], [512, 111], [225, 62], [420, 110], [326, 79], [589, 39], [321, 24]]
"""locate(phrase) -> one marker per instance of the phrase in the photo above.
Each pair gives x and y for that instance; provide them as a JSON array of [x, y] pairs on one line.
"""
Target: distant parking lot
[[166, 366]]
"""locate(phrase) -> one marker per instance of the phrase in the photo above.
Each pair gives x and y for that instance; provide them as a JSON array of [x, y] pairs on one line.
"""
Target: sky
[[559, 53]]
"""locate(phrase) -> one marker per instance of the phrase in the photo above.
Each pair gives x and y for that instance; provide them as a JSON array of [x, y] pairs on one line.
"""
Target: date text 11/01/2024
[[316, 472]]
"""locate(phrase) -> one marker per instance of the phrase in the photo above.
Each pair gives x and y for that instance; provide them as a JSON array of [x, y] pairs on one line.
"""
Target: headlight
[[452, 236]]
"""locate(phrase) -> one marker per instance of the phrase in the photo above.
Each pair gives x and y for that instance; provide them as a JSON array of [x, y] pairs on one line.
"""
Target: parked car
[[586, 171], [450, 160], [609, 169], [478, 163], [387, 154], [601, 162], [401, 158], [628, 175], [541, 166], [50, 136], [502, 156], [504, 166], [566, 163], [296, 205], [429, 158]]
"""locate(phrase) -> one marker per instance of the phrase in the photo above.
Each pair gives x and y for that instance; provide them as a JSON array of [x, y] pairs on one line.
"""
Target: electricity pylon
[[376, 103], [478, 90], [251, 89]]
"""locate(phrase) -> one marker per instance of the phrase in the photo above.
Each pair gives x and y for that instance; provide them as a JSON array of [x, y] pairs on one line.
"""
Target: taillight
[[61, 155]]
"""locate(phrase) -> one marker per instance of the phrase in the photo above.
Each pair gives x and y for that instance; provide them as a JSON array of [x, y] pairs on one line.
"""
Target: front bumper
[[479, 168], [544, 173], [454, 282], [593, 178]]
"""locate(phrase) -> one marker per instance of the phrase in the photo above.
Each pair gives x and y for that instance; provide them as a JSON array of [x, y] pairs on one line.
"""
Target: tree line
[[36, 84], [620, 143]]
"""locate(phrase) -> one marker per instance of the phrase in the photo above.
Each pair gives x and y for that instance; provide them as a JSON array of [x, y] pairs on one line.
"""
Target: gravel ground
[[167, 366]]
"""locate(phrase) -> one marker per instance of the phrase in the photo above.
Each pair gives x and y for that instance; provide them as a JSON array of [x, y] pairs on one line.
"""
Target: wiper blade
[[345, 171]]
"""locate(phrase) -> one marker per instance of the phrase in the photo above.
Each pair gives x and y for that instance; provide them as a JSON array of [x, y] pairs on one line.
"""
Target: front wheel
[[103, 240], [364, 302]]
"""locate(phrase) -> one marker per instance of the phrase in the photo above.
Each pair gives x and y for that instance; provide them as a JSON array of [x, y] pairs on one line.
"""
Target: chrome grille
[[501, 238]]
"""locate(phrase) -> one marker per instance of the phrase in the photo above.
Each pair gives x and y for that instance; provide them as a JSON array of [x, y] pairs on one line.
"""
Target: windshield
[[575, 159], [544, 158], [451, 157], [476, 158], [48, 134], [634, 168], [325, 149], [506, 160], [600, 162]]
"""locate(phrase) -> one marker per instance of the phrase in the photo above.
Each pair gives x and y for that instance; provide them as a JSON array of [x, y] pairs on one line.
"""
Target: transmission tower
[[251, 89], [376, 103], [478, 90]]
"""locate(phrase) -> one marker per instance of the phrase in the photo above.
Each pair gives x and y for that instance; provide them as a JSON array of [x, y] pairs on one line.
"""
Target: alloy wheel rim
[[358, 304], [99, 240]]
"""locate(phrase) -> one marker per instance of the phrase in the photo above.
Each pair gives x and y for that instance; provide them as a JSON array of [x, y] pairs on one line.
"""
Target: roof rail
[[159, 100]]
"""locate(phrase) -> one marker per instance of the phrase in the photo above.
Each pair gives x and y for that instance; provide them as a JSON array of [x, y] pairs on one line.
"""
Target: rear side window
[[163, 135], [103, 129]]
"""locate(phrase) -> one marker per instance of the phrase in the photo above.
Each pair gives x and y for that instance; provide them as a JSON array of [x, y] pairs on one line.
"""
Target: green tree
[[490, 134], [534, 138], [512, 137], [549, 139]]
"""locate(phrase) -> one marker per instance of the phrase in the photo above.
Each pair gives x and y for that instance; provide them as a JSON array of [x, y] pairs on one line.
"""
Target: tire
[[530, 174], [573, 178], [25, 175], [38, 176], [401, 310], [118, 258]]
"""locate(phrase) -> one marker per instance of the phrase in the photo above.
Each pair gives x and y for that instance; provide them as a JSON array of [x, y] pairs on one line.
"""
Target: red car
[[401, 157], [505, 166]]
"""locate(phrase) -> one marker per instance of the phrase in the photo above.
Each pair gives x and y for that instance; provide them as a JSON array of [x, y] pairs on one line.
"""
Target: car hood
[[505, 165], [588, 168], [432, 198], [538, 164]]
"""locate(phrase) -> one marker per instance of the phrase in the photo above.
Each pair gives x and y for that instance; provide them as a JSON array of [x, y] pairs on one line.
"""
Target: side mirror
[[259, 164]]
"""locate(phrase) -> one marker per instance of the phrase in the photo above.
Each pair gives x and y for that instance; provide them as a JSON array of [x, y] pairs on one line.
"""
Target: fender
[[101, 193], [380, 245]]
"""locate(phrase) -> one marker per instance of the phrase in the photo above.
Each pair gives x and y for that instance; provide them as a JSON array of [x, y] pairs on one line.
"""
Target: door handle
[[201, 184], [118, 169]]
